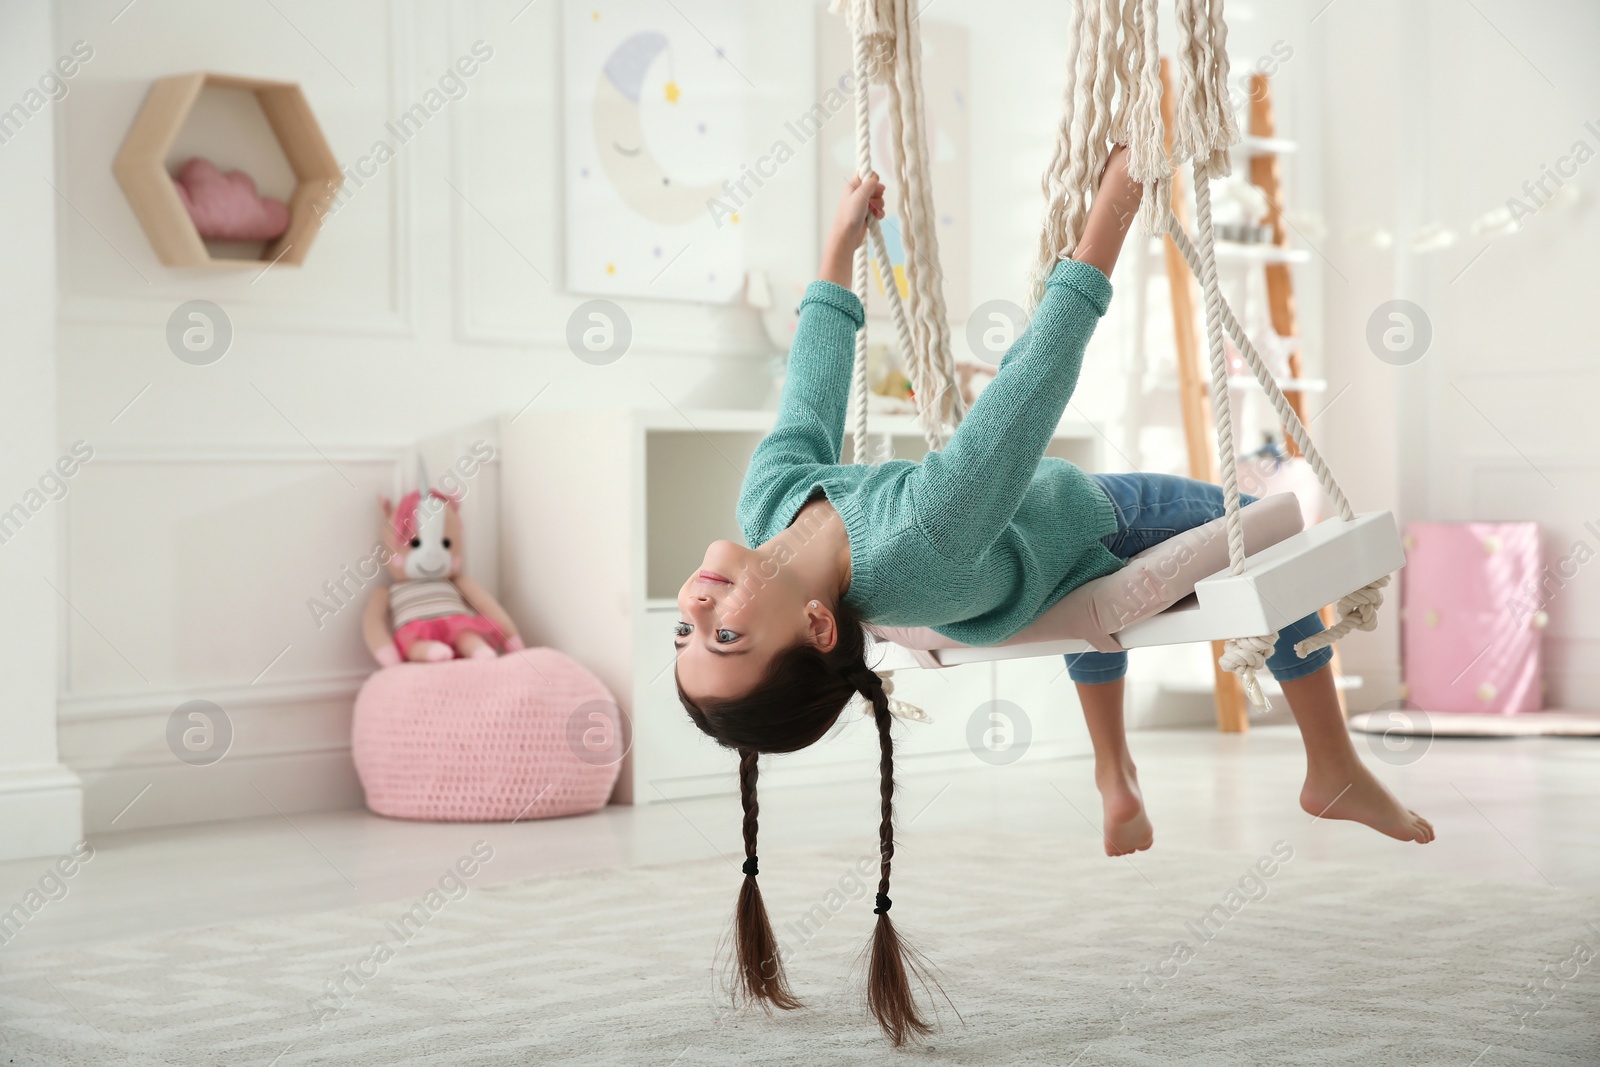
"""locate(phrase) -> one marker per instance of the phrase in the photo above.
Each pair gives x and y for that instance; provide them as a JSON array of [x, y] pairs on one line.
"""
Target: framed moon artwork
[[655, 121]]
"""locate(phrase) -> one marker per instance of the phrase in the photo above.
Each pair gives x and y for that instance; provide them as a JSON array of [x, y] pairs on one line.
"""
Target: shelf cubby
[[141, 168]]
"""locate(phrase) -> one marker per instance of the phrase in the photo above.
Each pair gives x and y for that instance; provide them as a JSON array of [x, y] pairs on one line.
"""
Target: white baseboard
[[41, 812], [170, 793]]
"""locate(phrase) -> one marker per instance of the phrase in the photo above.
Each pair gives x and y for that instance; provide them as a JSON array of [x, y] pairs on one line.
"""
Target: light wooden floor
[[1524, 811]]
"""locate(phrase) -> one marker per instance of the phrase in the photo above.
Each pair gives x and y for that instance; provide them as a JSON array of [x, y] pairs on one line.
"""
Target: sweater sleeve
[[965, 495], [810, 427]]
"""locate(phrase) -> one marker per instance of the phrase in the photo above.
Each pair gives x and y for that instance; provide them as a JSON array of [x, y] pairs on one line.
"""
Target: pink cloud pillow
[[226, 207]]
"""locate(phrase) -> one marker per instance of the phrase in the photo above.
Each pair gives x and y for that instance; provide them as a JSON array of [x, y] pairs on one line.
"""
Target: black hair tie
[[750, 866], [865, 681], [883, 904]]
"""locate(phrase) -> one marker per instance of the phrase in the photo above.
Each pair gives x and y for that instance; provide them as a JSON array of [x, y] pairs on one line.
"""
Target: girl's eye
[[725, 636], [680, 629]]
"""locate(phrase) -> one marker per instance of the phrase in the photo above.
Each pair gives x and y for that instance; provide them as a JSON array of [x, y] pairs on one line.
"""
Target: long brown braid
[[891, 963], [758, 974]]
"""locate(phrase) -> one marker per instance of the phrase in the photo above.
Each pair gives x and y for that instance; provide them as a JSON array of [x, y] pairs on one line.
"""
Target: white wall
[[1436, 114], [40, 801]]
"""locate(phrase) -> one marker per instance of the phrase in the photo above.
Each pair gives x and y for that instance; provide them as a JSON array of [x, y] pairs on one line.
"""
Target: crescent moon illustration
[[625, 156]]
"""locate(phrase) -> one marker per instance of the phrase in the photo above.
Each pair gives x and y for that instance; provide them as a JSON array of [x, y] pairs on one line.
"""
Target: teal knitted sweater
[[975, 541]]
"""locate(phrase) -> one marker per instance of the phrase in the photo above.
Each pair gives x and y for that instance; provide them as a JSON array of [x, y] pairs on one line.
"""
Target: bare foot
[[1359, 797], [1127, 828]]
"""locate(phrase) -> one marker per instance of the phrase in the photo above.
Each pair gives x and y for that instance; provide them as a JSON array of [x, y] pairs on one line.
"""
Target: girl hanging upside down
[[976, 542]]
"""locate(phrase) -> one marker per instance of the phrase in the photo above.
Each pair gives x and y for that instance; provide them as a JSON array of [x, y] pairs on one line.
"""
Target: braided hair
[[800, 698], [759, 975]]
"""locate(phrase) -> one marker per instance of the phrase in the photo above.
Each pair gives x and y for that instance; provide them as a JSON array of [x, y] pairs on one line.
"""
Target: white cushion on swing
[[1153, 581]]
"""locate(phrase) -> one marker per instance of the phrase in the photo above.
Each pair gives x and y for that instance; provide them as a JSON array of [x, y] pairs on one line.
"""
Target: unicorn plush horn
[[430, 508]]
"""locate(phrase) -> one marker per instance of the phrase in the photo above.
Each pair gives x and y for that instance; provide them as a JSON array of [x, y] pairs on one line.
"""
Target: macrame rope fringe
[[888, 50]]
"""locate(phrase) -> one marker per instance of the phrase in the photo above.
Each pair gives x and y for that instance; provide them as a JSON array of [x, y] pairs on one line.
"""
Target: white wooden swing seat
[[1182, 590]]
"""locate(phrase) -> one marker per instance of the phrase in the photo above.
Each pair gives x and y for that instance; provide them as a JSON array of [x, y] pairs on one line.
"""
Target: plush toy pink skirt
[[530, 735]]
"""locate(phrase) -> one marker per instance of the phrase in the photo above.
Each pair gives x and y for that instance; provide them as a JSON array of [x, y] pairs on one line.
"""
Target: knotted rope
[[1357, 611]]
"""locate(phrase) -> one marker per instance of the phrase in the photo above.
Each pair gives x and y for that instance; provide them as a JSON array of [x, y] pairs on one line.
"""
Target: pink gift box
[[1472, 604]]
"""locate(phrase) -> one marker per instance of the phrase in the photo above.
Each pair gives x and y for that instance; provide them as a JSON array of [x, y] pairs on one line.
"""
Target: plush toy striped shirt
[[424, 598]]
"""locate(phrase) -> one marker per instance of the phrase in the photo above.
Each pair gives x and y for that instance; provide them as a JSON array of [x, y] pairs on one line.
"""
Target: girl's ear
[[822, 626]]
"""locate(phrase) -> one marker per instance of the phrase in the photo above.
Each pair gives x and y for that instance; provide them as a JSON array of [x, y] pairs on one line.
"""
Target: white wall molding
[[94, 707], [150, 313], [131, 702], [291, 727], [186, 452], [41, 811], [140, 796], [93, 768], [398, 320]]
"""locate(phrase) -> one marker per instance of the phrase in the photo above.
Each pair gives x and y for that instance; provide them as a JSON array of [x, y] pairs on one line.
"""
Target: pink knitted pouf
[[529, 735]]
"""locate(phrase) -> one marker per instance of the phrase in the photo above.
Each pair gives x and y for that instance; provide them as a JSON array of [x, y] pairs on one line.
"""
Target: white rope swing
[[1112, 95], [888, 49]]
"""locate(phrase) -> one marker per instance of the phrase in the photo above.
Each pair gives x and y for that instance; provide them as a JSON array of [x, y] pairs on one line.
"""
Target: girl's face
[[734, 613]]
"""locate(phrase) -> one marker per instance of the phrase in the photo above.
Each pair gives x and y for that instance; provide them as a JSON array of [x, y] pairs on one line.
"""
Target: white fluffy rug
[[1315, 964]]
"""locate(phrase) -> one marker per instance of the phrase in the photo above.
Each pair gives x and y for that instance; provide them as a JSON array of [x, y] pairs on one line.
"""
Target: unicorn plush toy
[[431, 611]]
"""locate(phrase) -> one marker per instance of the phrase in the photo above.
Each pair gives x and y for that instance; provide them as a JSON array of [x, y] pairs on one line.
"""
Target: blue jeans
[[1150, 509]]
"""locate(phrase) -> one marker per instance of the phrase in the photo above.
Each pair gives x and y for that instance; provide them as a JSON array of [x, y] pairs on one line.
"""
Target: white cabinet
[[606, 512]]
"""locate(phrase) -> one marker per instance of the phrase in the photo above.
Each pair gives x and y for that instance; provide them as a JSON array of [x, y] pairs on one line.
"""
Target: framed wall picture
[[655, 122]]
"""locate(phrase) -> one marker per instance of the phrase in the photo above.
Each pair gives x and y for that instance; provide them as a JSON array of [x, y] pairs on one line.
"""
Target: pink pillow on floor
[[226, 207], [529, 735]]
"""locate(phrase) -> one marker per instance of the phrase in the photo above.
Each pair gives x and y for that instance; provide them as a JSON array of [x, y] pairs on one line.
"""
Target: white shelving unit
[[1251, 145], [605, 514], [1259, 254], [1246, 381]]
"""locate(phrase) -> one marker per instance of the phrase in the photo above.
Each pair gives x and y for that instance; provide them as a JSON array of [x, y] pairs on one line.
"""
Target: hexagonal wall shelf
[[141, 168]]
